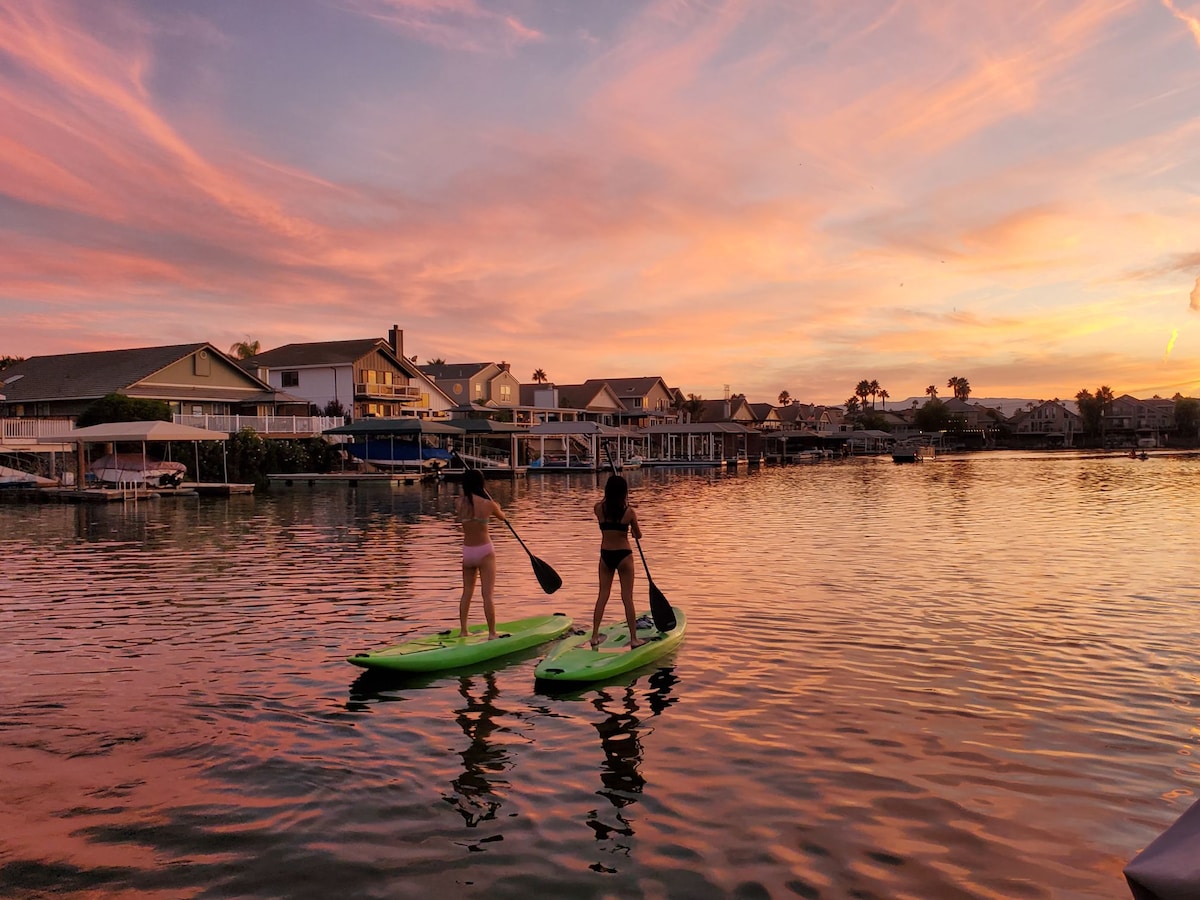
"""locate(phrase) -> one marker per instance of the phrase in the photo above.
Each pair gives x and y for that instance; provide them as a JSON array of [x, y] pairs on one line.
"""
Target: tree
[[693, 405], [862, 392], [960, 386], [784, 398], [245, 349], [1089, 411], [933, 416], [883, 395], [334, 408], [931, 391], [874, 388], [120, 408], [1104, 396], [1187, 418], [539, 376], [6, 361], [437, 362], [852, 407]]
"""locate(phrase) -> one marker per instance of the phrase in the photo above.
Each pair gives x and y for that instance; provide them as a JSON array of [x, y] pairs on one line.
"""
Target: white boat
[[136, 469], [14, 478]]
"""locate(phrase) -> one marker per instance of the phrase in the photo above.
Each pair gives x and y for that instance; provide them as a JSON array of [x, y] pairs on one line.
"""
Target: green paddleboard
[[446, 650], [573, 659]]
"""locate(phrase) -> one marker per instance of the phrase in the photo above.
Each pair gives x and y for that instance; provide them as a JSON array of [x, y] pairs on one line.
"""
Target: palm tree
[[862, 392], [960, 386], [875, 389], [883, 395], [539, 376], [852, 406], [245, 349], [784, 398], [931, 391], [1104, 398]]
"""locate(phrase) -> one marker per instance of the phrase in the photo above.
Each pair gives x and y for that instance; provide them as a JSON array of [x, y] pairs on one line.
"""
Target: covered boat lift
[[143, 433], [700, 444], [422, 443], [580, 446]]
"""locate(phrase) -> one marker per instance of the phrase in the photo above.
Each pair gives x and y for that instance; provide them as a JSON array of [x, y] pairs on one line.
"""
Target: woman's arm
[[633, 524]]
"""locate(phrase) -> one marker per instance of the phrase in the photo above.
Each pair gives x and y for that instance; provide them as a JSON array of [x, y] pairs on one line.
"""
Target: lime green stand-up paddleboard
[[574, 659], [446, 650]]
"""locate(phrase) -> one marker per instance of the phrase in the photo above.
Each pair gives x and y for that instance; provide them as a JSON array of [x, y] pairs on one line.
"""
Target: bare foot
[[492, 635], [635, 642], [597, 640], [462, 633]]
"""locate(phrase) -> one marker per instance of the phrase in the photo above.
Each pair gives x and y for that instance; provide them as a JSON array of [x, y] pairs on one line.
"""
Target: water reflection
[[621, 732], [483, 760]]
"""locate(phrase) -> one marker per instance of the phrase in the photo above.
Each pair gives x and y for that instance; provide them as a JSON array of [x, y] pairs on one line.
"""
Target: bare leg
[[606, 580], [626, 570], [487, 582], [464, 605]]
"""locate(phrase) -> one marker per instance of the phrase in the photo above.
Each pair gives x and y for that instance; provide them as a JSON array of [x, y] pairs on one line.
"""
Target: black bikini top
[[623, 527]]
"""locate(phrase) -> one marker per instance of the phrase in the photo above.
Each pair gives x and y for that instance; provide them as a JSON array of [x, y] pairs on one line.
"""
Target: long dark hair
[[616, 498], [472, 485]]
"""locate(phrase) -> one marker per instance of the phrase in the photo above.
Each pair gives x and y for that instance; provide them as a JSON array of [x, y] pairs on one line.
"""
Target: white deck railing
[[31, 429], [264, 425]]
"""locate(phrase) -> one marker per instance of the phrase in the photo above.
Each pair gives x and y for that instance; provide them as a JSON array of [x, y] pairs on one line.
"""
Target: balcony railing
[[30, 429], [264, 425], [390, 391]]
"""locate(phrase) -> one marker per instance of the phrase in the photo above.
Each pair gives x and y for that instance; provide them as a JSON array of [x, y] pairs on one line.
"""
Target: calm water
[[972, 677]]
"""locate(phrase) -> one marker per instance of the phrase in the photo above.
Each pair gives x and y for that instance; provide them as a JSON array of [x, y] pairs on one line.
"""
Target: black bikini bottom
[[614, 558]]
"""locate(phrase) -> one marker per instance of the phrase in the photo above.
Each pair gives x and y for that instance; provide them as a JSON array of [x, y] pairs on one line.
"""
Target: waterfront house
[[594, 401], [646, 400], [734, 409], [192, 379], [487, 384], [1129, 420], [365, 377], [1046, 424], [766, 417]]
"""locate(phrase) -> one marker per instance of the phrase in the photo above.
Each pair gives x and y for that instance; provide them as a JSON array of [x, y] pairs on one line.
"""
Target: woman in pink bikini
[[617, 518], [475, 510]]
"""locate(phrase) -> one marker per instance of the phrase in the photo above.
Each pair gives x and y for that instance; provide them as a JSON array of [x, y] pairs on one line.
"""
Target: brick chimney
[[396, 337]]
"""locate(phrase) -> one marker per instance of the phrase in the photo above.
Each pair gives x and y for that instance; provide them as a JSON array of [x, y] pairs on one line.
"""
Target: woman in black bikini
[[617, 518]]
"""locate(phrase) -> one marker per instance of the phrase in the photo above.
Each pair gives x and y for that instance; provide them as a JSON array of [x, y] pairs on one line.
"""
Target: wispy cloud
[[462, 25]]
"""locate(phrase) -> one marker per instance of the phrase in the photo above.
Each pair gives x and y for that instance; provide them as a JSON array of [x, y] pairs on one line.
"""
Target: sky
[[751, 196]]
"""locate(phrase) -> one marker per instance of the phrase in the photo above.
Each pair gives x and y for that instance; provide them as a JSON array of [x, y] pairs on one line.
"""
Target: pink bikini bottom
[[474, 554]]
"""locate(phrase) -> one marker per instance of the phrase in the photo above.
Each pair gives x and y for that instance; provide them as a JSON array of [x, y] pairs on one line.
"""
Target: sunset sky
[[768, 194]]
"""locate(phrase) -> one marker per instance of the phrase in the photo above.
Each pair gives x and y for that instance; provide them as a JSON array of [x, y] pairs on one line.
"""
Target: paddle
[[542, 570], [660, 607], [546, 576]]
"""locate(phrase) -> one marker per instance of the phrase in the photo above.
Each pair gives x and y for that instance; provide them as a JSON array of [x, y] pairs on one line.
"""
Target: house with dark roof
[[735, 409], [486, 384], [193, 379], [766, 416], [594, 401], [365, 376], [1046, 424], [647, 400]]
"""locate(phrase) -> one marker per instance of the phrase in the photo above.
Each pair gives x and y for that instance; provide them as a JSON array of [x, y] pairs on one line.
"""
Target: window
[[289, 379], [478, 388], [505, 392]]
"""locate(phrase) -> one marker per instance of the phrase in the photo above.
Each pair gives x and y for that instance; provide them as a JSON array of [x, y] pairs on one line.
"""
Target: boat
[[574, 659], [403, 454], [908, 451], [135, 468], [15, 478], [446, 650]]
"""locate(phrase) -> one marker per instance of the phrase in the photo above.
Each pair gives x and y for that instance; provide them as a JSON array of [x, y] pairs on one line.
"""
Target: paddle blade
[[546, 576], [660, 609]]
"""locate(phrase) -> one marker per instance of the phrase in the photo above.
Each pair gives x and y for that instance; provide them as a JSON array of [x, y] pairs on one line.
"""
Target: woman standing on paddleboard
[[475, 510], [617, 518]]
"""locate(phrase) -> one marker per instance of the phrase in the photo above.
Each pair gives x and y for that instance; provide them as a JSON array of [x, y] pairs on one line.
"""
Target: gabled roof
[[83, 376], [323, 353], [762, 411], [584, 396], [631, 387], [455, 370]]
